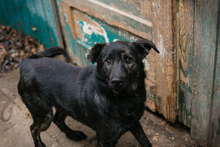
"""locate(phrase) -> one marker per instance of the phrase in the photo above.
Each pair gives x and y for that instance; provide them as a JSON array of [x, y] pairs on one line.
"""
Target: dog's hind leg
[[40, 124], [42, 115], [59, 120]]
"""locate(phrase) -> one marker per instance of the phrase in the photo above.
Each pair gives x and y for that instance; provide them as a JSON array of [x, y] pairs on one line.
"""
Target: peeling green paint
[[104, 33]]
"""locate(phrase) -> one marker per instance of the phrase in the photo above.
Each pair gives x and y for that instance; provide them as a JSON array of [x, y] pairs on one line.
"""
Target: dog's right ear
[[144, 46], [95, 51]]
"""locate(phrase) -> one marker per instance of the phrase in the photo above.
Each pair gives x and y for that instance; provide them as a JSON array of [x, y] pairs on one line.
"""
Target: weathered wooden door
[[199, 97], [85, 22]]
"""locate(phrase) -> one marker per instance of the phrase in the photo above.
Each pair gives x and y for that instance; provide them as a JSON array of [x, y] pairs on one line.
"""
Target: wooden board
[[165, 87], [205, 32], [25, 17], [186, 45]]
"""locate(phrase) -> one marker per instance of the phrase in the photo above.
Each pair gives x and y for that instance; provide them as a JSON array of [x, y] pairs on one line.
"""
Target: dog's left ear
[[144, 46], [95, 51]]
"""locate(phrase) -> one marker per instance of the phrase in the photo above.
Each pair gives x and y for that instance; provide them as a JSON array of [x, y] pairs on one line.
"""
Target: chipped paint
[[66, 19], [90, 30], [160, 45], [163, 52], [146, 64]]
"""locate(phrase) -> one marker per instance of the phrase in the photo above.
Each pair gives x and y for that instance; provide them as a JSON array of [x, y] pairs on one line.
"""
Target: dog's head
[[120, 63]]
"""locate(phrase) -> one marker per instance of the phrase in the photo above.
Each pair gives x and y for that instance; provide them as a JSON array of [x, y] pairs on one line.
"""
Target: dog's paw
[[76, 135]]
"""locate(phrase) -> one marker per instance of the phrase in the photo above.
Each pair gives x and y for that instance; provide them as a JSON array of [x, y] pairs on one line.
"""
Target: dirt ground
[[15, 121]]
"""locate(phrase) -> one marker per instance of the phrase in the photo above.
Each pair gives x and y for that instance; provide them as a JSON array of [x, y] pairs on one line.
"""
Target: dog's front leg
[[139, 134], [106, 140]]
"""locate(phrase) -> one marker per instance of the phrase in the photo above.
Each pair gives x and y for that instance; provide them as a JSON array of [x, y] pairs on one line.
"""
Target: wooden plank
[[165, 81], [67, 24], [42, 23], [18, 19], [5, 13], [14, 14], [33, 19], [214, 126], [2, 15], [8, 6], [203, 66], [25, 20], [52, 24], [186, 18]]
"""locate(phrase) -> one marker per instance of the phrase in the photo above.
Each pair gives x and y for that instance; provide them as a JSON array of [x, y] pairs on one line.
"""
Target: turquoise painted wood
[[9, 10], [43, 26], [3, 13], [52, 22], [25, 17], [32, 17]]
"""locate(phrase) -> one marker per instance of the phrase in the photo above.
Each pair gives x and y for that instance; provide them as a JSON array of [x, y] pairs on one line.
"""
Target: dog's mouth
[[116, 90]]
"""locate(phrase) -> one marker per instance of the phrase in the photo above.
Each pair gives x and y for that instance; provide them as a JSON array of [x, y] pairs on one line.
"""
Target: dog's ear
[[144, 46], [95, 51]]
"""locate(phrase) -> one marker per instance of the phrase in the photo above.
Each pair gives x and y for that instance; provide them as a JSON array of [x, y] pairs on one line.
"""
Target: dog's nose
[[116, 82]]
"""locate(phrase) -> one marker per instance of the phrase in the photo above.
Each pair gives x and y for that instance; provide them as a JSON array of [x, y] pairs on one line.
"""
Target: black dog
[[108, 97]]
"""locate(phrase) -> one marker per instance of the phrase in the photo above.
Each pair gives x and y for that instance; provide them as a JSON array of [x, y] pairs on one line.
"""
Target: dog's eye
[[108, 61], [128, 60]]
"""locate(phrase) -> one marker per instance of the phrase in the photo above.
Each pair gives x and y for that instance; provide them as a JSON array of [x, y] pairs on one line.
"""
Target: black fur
[[108, 97]]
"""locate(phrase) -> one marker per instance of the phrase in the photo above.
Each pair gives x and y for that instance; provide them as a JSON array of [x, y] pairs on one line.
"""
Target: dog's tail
[[52, 52]]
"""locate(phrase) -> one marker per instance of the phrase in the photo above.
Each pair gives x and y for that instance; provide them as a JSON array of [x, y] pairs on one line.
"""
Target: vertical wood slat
[[186, 20], [214, 126], [9, 15], [14, 14], [2, 14], [203, 65], [25, 17], [52, 22], [165, 97], [33, 18], [43, 28], [67, 24], [17, 16]]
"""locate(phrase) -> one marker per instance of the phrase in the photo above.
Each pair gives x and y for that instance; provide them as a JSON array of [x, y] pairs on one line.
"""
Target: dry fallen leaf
[[14, 47], [3, 53], [155, 138], [163, 123]]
